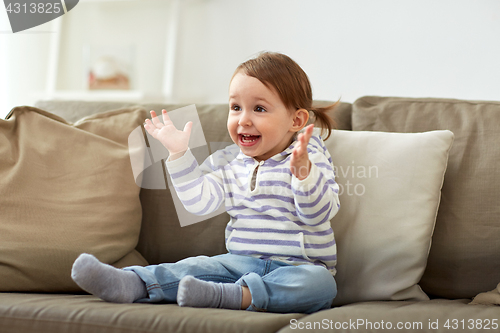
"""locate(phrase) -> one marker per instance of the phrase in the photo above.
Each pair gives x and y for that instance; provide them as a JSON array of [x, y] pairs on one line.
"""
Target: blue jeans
[[275, 286]]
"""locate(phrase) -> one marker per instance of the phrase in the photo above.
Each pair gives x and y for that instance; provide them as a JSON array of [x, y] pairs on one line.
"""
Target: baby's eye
[[235, 108], [260, 109]]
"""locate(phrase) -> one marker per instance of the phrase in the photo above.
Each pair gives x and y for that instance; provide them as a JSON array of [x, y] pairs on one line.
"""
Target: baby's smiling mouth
[[247, 140]]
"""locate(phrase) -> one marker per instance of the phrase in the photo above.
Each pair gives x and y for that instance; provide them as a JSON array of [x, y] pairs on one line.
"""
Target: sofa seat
[[34, 313], [437, 315], [65, 313]]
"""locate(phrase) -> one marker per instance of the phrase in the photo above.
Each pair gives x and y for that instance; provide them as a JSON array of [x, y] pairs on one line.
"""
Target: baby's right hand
[[174, 140]]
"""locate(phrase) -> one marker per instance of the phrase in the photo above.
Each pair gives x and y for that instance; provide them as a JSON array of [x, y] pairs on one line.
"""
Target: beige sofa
[[68, 187]]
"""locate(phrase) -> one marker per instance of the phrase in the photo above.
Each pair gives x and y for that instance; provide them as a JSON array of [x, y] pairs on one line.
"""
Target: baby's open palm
[[174, 140]]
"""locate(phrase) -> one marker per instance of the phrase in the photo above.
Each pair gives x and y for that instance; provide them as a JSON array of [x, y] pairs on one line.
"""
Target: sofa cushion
[[464, 259], [390, 185], [28, 313], [437, 315], [65, 189]]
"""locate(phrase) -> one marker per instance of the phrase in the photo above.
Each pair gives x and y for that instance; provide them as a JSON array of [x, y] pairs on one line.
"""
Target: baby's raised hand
[[299, 162], [174, 140]]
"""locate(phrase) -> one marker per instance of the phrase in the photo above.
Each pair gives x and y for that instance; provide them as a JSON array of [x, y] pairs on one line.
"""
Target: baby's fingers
[[187, 128], [156, 121], [299, 150], [149, 126], [166, 118], [308, 133]]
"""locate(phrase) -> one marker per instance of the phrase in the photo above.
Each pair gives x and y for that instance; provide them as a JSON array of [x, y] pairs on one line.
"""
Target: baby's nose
[[245, 119]]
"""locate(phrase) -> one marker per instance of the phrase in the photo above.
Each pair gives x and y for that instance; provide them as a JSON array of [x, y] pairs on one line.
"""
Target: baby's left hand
[[299, 162]]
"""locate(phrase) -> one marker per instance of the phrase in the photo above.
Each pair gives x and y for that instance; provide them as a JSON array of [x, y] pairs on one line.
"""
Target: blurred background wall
[[186, 50]]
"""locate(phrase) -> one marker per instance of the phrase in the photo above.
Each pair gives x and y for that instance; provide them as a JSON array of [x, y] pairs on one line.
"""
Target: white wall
[[348, 48], [23, 62]]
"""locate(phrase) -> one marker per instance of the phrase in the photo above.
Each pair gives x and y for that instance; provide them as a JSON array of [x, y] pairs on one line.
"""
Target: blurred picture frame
[[109, 67]]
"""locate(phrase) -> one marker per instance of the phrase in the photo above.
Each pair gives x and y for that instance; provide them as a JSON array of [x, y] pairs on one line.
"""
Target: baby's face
[[258, 122]]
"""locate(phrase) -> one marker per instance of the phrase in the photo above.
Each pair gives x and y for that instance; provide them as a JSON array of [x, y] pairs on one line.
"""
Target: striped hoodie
[[274, 215]]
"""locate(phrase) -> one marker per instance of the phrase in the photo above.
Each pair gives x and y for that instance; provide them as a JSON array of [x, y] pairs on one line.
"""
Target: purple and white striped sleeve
[[200, 189], [317, 196]]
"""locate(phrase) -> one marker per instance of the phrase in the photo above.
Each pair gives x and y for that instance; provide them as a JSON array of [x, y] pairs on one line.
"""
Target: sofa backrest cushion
[[65, 189], [72, 111], [465, 254], [389, 188]]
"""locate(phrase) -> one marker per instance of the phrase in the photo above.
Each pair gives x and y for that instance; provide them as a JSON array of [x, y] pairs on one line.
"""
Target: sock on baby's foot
[[107, 282], [201, 294]]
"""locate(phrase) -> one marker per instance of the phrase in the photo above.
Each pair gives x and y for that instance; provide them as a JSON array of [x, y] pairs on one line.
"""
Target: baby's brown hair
[[279, 72]]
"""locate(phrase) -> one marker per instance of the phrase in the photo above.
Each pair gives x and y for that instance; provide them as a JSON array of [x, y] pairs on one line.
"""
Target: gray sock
[[107, 282], [201, 294]]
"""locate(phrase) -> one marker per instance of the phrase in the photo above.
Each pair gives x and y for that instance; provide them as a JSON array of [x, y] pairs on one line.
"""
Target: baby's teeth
[[246, 139]]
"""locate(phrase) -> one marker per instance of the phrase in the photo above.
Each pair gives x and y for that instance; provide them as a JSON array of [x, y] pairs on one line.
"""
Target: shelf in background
[[172, 26], [95, 95]]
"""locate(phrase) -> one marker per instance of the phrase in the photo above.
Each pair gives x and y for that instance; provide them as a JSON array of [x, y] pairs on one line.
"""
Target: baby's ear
[[300, 119]]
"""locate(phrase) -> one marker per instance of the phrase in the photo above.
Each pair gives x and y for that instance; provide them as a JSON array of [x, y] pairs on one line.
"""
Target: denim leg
[[162, 280], [304, 288]]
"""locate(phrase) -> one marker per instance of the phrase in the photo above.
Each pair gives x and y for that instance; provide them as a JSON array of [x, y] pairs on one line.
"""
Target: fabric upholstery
[[42, 313], [437, 315], [65, 189], [390, 187], [464, 259]]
